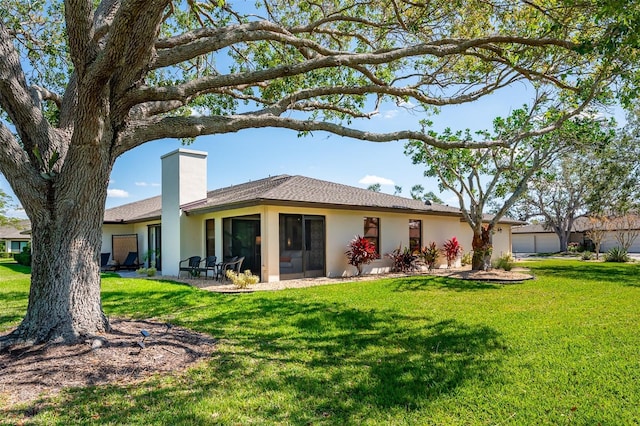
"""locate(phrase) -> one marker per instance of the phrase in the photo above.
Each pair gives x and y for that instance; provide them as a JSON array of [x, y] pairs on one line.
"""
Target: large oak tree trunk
[[563, 238], [482, 249], [64, 299]]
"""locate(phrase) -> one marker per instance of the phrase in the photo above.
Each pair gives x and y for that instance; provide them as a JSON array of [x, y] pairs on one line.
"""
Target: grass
[[560, 349]]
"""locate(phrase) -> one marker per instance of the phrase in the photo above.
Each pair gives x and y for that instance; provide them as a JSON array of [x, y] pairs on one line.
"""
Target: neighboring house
[[536, 238], [285, 226], [14, 238]]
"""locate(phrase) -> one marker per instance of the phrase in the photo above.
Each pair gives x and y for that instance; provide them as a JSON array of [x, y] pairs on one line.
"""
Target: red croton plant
[[452, 249], [361, 252]]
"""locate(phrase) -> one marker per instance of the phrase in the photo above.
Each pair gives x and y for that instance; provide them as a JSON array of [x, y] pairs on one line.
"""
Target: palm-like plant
[[361, 252], [452, 249]]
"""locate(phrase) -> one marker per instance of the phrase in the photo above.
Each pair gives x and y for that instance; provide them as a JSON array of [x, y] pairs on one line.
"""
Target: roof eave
[[333, 206], [132, 221]]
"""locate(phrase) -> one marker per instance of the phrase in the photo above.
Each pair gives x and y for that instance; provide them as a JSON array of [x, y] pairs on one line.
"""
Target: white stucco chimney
[[184, 180]]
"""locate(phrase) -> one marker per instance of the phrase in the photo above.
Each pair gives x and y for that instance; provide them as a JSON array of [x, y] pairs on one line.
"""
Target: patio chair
[[235, 264], [223, 266], [104, 261], [131, 261], [210, 265], [238, 265], [190, 265]]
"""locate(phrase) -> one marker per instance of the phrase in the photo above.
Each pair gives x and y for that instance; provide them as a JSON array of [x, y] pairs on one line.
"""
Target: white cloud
[[405, 104], [117, 193], [390, 114], [18, 212], [147, 184], [372, 179]]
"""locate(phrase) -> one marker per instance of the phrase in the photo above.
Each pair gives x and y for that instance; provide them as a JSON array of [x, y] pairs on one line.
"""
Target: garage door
[[547, 243], [522, 243]]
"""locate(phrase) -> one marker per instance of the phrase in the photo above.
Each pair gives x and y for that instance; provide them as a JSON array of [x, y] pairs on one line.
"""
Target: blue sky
[[258, 153]]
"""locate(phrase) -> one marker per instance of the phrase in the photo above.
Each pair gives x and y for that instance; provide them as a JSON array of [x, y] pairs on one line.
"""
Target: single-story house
[[284, 226], [14, 238], [536, 238]]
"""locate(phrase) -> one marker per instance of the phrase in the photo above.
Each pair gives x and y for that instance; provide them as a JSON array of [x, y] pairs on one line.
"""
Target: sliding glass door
[[241, 238], [302, 246]]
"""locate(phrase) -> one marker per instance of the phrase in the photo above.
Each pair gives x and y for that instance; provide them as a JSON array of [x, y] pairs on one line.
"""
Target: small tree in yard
[[598, 226], [627, 229], [498, 176], [361, 252], [452, 249]]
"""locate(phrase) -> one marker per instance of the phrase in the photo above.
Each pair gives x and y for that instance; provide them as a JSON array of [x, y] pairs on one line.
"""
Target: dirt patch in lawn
[[494, 275], [120, 357]]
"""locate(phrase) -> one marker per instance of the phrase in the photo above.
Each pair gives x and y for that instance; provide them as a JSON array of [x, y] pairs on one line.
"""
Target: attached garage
[[536, 243]]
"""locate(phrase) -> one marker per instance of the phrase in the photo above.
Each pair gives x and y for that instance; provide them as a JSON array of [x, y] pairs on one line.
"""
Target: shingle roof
[[283, 189], [581, 224], [304, 190], [14, 232], [147, 209]]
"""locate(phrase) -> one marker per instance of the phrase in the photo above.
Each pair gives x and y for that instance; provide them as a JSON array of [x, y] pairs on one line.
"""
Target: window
[[415, 235], [211, 237], [372, 231], [17, 246]]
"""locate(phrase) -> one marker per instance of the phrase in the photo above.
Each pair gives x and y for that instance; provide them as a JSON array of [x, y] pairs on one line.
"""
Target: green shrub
[[402, 259], [587, 255], [150, 272], [429, 255], [506, 262], [466, 258], [243, 279], [24, 258], [617, 254], [5, 255], [573, 247]]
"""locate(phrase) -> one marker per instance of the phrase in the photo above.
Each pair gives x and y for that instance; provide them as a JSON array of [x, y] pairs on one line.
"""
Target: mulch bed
[[116, 357]]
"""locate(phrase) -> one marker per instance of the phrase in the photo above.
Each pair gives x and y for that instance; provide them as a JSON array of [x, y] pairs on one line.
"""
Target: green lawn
[[561, 349]]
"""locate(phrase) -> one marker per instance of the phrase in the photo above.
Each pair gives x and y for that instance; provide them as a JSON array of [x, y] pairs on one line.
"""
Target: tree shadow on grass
[[425, 282], [328, 362], [615, 273], [16, 267]]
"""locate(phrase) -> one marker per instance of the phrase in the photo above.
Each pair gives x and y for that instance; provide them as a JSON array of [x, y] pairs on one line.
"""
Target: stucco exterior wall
[[109, 230], [184, 180], [502, 242], [549, 242], [501, 239], [610, 242], [8, 242], [140, 229], [341, 226]]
